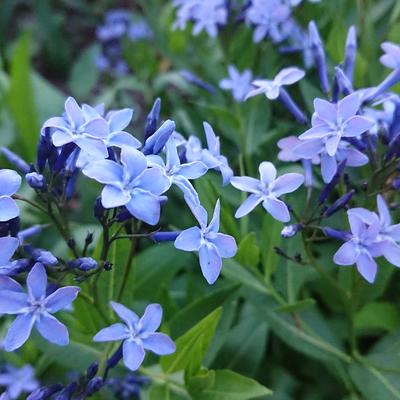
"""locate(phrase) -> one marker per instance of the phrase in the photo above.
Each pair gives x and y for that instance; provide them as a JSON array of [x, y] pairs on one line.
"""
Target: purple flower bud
[[44, 393], [152, 119], [336, 234], [40, 255], [16, 160], [291, 230], [394, 128], [31, 231], [159, 237], [343, 82], [35, 180], [156, 142], [94, 385], [195, 80], [339, 203], [71, 183], [350, 53], [317, 48], [98, 209], [62, 158], [326, 191], [83, 263], [386, 84], [46, 151], [92, 370], [308, 173], [292, 107], [67, 392], [114, 359]]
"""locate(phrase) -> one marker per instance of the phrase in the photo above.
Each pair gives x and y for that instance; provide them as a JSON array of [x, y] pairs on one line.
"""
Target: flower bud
[[152, 119], [36, 181], [83, 263], [15, 160], [94, 385], [339, 203], [92, 370], [336, 234], [159, 237], [291, 230]]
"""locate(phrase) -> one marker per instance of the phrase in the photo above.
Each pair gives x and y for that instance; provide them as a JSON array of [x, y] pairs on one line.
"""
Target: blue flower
[[206, 239], [34, 308], [137, 334], [18, 380], [8, 246], [131, 184], [391, 58], [238, 83], [272, 88], [10, 182], [267, 191]]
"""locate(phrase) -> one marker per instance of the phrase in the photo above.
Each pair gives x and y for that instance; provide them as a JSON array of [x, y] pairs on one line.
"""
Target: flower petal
[[189, 239], [325, 110], [18, 332], [287, 183], [121, 139], [133, 354], [154, 181], [332, 144], [7, 283], [357, 125], [159, 343], [127, 315], [8, 208], [61, 298], [120, 119], [151, 319], [246, 184], [8, 246], [10, 182], [94, 146], [112, 196], [346, 255], [74, 112], [225, 244], [366, 266], [134, 161], [248, 205], [210, 262], [277, 208], [383, 209], [193, 170], [288, 76], [52, 329], [316, 132], [104, 171], [214, 223], [12, 302], [308, 149], [37, 282], [267, 172], [112, 333], [348, 106], [328, 167], [144, 206]]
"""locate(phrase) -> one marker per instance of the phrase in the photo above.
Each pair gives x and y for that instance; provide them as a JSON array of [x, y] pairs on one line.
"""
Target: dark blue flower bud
[[40, 255], [292, 107], [83, 263], [152, 119], [343, 82], [71, 183], [156, 142], [44, 393], [94, 385], [35, 180], [317, 48], [326, 191], [67, 392], [159, 237], [62, 158], [195, 80], [386, 84], [350, 53], [115, 358], [46, 151], [336, 234], [339, 203], [291, 230], [396, 183], [123, 215], [16, 160], [98, 209], [92, 370], [308, 173], [394, 128]]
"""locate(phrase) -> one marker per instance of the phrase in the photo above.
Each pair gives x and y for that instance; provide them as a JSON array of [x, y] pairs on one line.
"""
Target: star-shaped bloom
[[206, 239], [391, 58], [271, 88], [34, 308], [238, 83], [130, 184], [18, 380], [363, 244], [8, 246], [74, 127], [178, 173], [212, 156], [10, 182], [137, 334], [267, 191]]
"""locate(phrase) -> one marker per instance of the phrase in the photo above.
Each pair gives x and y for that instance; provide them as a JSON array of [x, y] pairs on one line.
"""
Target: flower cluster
[[119, 25]]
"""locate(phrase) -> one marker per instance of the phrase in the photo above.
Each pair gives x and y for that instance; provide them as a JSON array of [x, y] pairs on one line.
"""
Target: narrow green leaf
[[248, 250], [378, 315], [297, 306]]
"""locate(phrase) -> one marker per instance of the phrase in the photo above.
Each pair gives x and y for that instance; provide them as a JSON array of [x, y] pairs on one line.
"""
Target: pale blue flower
[[206, 239], [18, 380], [8, 246], [238, 83], [130, 184], [267, 191], [10, 182], [34, 308], [137, 334], [391, 58]]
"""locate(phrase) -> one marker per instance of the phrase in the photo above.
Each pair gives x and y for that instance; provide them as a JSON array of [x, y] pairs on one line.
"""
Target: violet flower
[[10, 182], [391, 58], [18, 380], [238, 83]]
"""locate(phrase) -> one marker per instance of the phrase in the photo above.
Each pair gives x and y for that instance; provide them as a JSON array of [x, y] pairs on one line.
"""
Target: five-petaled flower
[[267, 191], [131, 184], [18, 380], [206, 239], [10, 182], [238, 83], [137, 334], [34, 308]]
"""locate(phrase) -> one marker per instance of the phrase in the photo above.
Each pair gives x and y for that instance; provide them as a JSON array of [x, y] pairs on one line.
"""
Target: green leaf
[[185, 345], [378, 315], [248, 250], [20, 98], [84, 74], [297, 306], [231, 385]]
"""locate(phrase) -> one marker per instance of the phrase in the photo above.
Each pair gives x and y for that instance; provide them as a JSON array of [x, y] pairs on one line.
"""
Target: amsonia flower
[[8, 246], [238, 83], [267, 191], [18, 380], [206, 239], [131, 184], [362, 245], [272, 88], [391, 58], [88, 135], [137, 334], [34, 309], [10, 182]]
